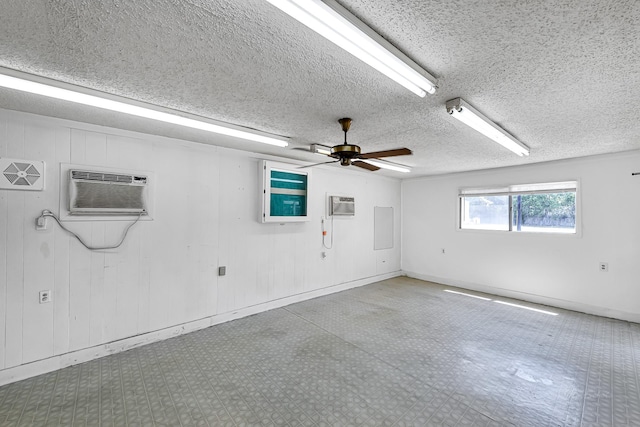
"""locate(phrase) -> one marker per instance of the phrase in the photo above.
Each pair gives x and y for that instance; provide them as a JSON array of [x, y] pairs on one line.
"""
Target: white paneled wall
[[166, 273]]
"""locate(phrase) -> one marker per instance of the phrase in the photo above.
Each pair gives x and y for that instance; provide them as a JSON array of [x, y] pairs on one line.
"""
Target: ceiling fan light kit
[[461, 110], [23, 82], [339, 26]]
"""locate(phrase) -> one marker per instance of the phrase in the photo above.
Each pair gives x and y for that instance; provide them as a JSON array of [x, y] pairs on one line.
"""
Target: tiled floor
[[396, 353]]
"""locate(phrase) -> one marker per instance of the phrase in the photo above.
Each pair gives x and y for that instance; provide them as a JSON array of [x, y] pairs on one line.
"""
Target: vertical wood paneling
[[227, 176], [113, 150], [256, 237], [167, 225], [235, 246], [126, 321], [78, 146], [301, 250], [124, 284], [95, 154], [145, 257], [15, 260], [79, 265], [79, 294], [130, 150], [193, 207], [205, 208], [279, 284], [165, 273], [61, 298], [38, 253], [177, 246], [4, 214], [95, 149], [96, 283], [112, 260]]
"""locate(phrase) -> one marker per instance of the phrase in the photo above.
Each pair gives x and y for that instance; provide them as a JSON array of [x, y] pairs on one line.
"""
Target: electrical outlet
[[442, 251], [604, 266], [222, 271], [41, 223], [45, 297]]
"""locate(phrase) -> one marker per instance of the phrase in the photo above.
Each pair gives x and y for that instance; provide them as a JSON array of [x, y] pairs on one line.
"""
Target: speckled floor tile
[[396, 353]]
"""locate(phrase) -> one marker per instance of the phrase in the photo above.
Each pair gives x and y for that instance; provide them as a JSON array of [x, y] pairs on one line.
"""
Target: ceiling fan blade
[[317, 164], [364, 165], [386, 153]]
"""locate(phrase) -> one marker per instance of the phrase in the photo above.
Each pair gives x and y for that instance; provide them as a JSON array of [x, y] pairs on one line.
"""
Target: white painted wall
[[165, 275], [559, 270]]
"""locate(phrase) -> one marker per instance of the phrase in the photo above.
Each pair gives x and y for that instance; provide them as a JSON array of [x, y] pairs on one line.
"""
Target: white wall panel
[[61, 291], [166, 272], [38, 252], [79, 263], [144, 288], [4, 224], [15, 252]]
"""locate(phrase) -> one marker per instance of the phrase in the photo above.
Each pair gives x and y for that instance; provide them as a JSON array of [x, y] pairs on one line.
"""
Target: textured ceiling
[[560, 75]]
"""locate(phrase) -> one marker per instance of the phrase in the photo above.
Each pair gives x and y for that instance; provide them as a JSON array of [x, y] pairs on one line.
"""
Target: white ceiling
[[563, 76]]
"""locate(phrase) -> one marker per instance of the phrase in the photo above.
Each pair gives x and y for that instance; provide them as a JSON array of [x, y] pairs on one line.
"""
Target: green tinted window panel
[[288, 194], [288, 180], [288, 205]]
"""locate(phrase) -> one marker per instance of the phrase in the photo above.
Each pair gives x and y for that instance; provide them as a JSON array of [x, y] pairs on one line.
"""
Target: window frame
[[520, 189]]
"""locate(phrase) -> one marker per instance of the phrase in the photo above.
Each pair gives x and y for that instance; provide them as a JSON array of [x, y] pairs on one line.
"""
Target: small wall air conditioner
[[342, 206], [106, 193]]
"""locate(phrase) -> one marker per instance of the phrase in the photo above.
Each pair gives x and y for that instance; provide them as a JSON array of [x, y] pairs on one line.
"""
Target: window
[[540, 208]]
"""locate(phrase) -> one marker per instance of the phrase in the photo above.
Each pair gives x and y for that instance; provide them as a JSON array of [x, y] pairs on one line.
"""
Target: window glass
[[546, 212], [485, 213]]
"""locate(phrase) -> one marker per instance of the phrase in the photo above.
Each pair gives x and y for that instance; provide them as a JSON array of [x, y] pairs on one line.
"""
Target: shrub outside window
[[538, 208]]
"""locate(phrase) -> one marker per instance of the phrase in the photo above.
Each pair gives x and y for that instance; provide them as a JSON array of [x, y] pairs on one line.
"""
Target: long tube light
[[461, 110], [387, 165], [338, 25], [321, 149], [53, 89]]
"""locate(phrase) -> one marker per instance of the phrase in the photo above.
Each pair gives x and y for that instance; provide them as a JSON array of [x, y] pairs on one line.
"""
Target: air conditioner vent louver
[[107, 177], [21, 174]]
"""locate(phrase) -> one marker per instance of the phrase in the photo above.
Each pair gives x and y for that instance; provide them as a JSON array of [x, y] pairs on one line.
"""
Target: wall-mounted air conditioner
[[342, 206], [94, 192], [21, 174]]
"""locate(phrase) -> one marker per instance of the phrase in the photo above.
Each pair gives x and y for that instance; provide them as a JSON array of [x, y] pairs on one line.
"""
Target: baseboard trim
[[39, 367], [523, 296]]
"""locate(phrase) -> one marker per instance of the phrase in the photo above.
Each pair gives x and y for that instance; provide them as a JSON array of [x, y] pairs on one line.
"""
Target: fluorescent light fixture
[[467, 295], [526, 308], [471, 117], [13, 80], [386, 165], [338, 25], [321, 149]]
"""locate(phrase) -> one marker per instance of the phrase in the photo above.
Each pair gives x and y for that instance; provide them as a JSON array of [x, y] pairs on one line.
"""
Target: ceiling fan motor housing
[[345, 153]]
